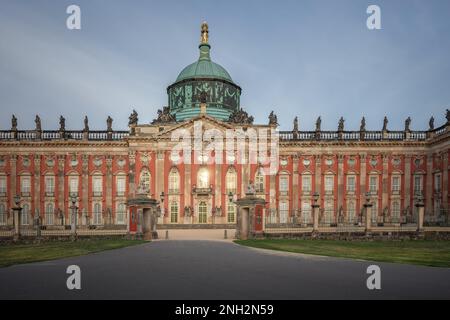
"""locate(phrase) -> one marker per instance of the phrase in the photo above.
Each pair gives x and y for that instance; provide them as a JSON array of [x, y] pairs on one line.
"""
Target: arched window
[[2, 214], [203, 178], [144, 180], [202, 212], [97, 214], [49, 214], [24, 220], [174, 212], [174, 182], [231, 181], [231, 210], [259, 181], [121, 213]]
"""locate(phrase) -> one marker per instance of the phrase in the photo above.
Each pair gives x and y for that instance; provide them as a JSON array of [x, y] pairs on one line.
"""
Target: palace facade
[[103, 169]]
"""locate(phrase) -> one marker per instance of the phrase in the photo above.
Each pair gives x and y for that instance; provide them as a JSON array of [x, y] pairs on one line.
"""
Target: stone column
[[420, 213], [187, 191], [13, 184], [85, 189], [109, 182], [340, 179], [17, 211], [218, 191], [368, 210], [407, 201], [295, 186], [160, 179], [37, 185], [61, 165], [318, 176], [73, 220], [445, 180], [362, 178], [429, 184], [384, 183]]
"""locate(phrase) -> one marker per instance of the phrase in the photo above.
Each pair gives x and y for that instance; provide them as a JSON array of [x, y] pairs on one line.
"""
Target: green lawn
[[423, 252], [25, 253]]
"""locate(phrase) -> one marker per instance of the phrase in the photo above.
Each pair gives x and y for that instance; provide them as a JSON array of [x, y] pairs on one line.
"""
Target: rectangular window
[[284, 184], [73, 185], [231, 212], [3, 188], [396, 184], [97, 186], [121, 186], [2, 214], [329, 183], [329, 211], [121, 213], [373, 184], [351, 211], [437, 183], [417, 184], [351, 183], [49, 185], [25, 185], [306, 211], [284, 211], [306, 183]]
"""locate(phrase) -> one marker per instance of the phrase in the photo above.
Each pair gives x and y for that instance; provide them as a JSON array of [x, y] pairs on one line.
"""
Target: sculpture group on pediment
[[164, 116], [240, 117]]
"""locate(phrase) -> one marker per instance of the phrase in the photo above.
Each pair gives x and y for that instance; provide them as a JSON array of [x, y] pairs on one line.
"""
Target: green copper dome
[[203, 81]]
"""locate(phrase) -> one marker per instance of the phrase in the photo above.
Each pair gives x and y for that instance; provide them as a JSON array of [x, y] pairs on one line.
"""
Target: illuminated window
[[231, 181], [174, 182], [174, 212], [231, 209], [202, 212], [203, 178]]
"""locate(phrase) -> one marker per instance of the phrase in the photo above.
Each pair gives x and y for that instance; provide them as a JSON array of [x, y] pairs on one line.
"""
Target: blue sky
[[300, 58]]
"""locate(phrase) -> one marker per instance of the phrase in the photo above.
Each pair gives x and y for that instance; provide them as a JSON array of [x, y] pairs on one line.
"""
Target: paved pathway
[[217, 270]]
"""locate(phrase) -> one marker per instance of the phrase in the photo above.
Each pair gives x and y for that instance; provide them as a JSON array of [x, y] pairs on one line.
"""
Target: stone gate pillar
[[250, 215]]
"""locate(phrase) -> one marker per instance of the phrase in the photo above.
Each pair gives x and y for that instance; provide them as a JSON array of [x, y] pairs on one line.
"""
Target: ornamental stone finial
[[204, 33]]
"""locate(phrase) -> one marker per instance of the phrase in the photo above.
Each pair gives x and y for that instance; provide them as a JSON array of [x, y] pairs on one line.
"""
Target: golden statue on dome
[[204, 38]]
